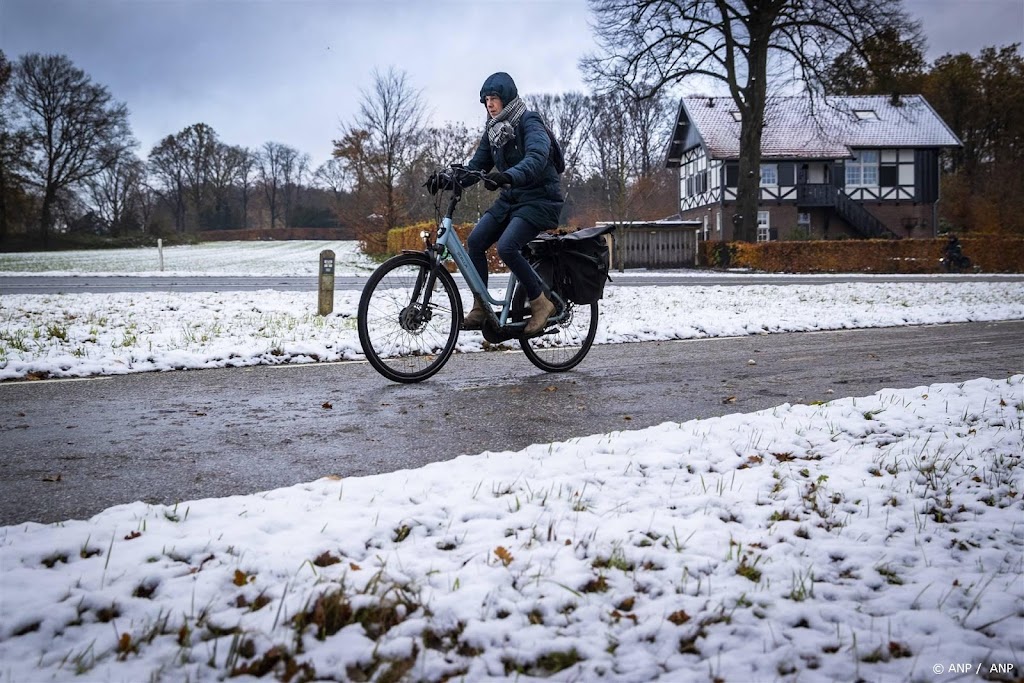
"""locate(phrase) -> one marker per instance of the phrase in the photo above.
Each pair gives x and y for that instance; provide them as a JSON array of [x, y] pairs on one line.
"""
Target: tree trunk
[[749, 183], [46, 217], [3, 202], [755, 95]]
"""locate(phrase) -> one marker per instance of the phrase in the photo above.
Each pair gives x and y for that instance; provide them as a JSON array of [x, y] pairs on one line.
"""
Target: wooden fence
[[655, 245]]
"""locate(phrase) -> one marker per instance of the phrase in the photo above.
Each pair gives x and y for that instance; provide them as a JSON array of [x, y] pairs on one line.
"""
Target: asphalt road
[[73, 448], [41, 284]]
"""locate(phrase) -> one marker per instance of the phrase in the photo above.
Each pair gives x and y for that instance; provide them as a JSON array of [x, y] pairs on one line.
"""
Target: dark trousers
[[511, 239]]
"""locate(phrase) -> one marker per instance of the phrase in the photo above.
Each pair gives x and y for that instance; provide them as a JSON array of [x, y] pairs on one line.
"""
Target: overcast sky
[[292, 71]]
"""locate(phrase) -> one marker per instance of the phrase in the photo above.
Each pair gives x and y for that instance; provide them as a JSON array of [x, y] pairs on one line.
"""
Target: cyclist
[[514, 151]]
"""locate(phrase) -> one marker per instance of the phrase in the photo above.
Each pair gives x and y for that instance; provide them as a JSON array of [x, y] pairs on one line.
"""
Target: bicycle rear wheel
[[564, 348], [406, 335]]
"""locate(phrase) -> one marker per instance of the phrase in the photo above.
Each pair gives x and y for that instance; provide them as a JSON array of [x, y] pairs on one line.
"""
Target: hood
[[500, 84]]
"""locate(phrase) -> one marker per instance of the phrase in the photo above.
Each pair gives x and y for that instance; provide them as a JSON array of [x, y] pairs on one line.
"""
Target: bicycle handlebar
[[457, 172]]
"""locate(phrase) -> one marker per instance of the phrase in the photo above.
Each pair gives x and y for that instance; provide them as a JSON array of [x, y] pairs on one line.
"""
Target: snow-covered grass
[[878, 538], [73, 335], [875, 538], [298, 257]]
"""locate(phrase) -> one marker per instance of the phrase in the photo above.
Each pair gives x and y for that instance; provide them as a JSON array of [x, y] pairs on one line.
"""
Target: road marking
[[51, 380], [307, 365]]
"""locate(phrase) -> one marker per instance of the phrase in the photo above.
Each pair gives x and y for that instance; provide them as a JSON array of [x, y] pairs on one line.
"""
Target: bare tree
[[146, 202], [571, 118], [13, 146], [223, 173], [613, 156], [278, 167], [352, 152], [245, 177], [452, 143], [167, 167], [391, 115], [648, 45], [198, 143], [294, 172], [115, 193], [75, 127], [333, 177]]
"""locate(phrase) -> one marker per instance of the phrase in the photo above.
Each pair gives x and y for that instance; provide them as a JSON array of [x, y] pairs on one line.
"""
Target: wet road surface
[[69, 449]]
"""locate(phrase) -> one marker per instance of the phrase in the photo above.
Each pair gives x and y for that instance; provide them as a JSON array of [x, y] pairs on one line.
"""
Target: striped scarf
[[502, 127]]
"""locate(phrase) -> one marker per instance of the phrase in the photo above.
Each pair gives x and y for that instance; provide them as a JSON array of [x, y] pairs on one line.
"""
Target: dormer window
[[865, 114]]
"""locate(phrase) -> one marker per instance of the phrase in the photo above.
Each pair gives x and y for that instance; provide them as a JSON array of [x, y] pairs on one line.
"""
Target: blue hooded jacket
[[536, 193]]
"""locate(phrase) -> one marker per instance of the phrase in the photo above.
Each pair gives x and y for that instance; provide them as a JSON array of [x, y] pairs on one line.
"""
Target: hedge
[[409, 237], [989, 253]]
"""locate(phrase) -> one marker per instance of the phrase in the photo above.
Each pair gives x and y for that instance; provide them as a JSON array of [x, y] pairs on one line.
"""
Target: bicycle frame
[[449, 244]]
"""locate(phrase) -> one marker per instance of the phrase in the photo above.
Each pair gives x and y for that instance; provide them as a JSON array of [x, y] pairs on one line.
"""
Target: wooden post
[[325, 303], [160, 250]]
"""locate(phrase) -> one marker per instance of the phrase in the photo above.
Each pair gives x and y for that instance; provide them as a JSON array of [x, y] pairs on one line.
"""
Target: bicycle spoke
[[403, 338]]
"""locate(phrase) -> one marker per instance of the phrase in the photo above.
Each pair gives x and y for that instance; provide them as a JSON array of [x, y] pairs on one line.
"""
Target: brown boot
[[477, 315], [541, 309]]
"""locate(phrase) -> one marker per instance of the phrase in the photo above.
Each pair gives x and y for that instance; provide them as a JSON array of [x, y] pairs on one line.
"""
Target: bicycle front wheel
[[406, 332], [564, 348]]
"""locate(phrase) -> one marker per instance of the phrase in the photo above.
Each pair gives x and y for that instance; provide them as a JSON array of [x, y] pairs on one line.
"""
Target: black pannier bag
[[575, 264]]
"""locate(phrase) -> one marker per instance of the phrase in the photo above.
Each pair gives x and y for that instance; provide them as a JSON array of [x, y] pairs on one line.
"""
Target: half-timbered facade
[[865, 166]]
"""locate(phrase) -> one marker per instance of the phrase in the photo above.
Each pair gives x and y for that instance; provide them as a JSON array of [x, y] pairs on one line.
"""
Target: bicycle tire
[[398, 339], [569, 344]]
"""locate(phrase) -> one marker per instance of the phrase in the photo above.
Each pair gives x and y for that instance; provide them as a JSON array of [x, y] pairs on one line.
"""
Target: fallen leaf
[[504, 555], [679, 618], [627, 417], [729, 399], [354, 567], [132, 536], [326, 406], [53, 477], [550, 388], [326, 559]]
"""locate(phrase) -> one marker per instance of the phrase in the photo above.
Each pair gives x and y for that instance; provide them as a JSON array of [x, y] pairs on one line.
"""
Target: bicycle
[[410, 310]]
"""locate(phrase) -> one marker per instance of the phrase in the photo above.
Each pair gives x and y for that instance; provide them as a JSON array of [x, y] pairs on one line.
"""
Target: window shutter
[[888, 175], [732, 174], [786, 174]]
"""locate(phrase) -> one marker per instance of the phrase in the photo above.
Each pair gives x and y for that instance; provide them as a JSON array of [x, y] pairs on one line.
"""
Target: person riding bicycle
[[515, 153]]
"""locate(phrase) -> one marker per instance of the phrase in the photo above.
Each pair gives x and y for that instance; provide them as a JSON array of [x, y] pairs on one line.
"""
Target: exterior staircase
[[862, 220]]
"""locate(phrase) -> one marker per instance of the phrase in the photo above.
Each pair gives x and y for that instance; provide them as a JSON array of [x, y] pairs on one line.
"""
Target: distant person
[[515, 152]]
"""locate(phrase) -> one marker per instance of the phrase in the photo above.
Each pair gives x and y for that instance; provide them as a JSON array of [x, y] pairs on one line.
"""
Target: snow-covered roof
[[796, 127]]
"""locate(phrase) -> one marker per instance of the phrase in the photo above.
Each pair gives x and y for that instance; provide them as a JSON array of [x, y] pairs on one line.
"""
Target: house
[[854, 166]]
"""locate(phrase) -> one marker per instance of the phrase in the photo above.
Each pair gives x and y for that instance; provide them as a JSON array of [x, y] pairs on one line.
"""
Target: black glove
[[496, 179], [439, 181]]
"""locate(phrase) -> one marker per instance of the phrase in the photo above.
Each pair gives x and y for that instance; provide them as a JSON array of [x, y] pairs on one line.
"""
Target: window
[[865, 114], [763, 226], [769, 174], [736, 116], [862, 169], [803, 218]]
